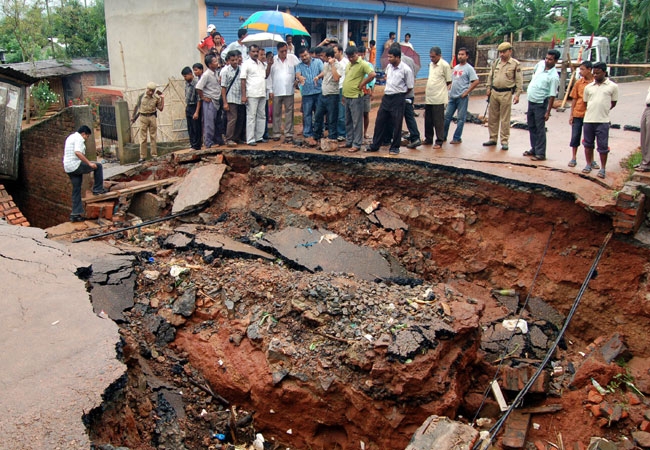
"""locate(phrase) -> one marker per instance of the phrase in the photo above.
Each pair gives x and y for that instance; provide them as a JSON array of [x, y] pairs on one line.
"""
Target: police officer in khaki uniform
[[504, 85], [149, 103]]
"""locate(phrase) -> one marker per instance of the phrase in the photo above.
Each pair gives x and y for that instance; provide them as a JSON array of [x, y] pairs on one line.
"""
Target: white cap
[[211, 28]]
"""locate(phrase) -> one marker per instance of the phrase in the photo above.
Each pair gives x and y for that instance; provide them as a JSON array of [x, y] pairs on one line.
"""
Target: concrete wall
[[158, 39], [43, 192]]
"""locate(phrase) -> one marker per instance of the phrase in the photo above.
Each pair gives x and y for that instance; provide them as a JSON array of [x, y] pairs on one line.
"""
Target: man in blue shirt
[[541, 94], [307, 74]]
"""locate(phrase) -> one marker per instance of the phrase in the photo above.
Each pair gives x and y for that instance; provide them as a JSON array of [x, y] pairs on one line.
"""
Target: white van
[[599, 50]]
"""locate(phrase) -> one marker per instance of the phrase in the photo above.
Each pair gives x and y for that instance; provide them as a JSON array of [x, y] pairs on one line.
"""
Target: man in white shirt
[[282, 71], [343, 63], [237, 45], [209, 90], [600, 97], [645, 137], [253, 95], [399, 82], [76, 165]]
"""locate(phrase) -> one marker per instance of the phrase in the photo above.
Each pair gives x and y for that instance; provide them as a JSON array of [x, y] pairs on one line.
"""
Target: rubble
[[197, 188], [442, 433]]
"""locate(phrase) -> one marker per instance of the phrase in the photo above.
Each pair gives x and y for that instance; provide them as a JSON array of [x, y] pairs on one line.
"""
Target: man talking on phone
[[149, 103]]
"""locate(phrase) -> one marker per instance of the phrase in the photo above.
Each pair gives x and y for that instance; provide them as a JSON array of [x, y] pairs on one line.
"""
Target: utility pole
[[620, 37], [565, 56]]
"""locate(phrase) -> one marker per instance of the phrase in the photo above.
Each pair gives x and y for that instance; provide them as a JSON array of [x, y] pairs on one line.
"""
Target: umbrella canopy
[[275, 22], [263, 39], [409, 56]]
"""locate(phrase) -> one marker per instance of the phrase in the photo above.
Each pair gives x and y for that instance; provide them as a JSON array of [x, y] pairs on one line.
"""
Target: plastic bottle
[[504, 292]]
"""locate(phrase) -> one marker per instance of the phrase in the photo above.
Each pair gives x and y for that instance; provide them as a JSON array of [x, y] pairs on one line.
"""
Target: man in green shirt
[[355, 81]]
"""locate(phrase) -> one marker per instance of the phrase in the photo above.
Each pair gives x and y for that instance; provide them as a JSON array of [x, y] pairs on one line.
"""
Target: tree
[[493, 19], [23, 23], [642, 14]]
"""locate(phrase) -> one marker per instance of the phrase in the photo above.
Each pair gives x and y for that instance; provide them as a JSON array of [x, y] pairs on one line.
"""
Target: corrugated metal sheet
[[52, 67]]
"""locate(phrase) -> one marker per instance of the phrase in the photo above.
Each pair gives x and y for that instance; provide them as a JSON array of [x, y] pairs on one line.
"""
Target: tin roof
[[52, 68]]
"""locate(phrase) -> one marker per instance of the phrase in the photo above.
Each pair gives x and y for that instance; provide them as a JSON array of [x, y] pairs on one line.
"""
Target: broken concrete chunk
[[538, 338], [389, 220], [310, 249], [597, 443], [442, 433], [178, 241], [198, 187], [279, 375], [229, 247], [253, 332], [614, 348], [146, 205], [642, 438], [368, 205], [539, 309], [407, 344], [515, 378], [186, 303]]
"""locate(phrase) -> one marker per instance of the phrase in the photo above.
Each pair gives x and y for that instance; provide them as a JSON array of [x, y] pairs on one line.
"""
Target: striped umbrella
[[275, 22]]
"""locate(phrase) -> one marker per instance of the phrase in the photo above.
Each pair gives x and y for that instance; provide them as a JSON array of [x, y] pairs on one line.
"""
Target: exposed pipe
[[143, 224]]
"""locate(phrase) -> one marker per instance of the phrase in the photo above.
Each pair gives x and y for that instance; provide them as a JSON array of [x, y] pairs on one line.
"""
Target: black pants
[[411, 124], [76, 178], [537, 127], [434, 119], [194, 127], [390, 114]]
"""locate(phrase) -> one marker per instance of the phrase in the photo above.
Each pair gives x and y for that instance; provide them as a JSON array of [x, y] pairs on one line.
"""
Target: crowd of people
[[230, 98]]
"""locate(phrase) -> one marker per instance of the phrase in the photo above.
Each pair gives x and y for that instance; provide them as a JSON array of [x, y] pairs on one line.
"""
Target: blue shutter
[[426, 34]]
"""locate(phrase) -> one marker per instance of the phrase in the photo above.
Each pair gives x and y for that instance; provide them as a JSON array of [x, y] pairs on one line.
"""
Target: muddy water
[[468, 233]]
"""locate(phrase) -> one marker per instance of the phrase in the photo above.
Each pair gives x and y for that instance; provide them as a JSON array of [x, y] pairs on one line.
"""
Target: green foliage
[[43, 97], [26, 26]]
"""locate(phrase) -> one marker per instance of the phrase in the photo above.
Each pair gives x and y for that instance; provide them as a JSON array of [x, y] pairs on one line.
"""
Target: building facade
[[152, 40]]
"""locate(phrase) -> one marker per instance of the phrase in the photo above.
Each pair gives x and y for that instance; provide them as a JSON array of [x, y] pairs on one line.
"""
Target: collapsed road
[[340, 303]]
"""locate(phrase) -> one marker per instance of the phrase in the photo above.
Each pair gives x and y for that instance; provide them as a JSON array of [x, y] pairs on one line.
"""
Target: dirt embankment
[[334, 360]]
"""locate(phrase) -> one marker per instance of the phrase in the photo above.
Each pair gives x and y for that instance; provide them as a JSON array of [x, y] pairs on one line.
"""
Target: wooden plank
[[516, 429], [541, 409], [131, 190]]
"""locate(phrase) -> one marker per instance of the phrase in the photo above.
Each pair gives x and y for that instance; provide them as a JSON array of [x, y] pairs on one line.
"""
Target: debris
[[512, 325], [516, 429], [198, 187], [498, 395], [437, 433], [152, 275], [176, 271]]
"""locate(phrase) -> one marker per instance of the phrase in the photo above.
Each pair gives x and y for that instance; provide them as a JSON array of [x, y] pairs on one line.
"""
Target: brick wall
[[9, 211], [630, 208], [43, 189]]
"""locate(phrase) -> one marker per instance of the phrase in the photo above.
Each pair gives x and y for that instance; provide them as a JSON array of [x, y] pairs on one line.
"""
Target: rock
[[186, 303], [253, 332], [594, 367], [279, 375], [389, 220], [198, 187], [613, 348], [146, 205], [538, 338], [541, 310], [368, 205], [642, 438], [515, 378], [597, 443], [178, 241], [406, 344], [441, 433], [640, 370]]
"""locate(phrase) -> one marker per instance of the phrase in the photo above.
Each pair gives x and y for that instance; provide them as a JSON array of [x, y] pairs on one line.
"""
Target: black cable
[[497, 426], [514, 332]]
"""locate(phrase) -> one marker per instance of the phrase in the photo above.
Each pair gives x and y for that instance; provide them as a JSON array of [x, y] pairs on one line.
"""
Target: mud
[[324, 361]]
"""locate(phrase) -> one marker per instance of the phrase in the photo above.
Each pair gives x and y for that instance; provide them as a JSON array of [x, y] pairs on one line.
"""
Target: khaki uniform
[[148, 124], [504, 79]]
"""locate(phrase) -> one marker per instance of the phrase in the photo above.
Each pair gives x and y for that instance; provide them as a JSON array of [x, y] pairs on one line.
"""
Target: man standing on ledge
[[436, 97], [541, 94], [399, 82], [355, 81], [504, 85], [146, 109], [76, 165], [600, 97], [463, 81]]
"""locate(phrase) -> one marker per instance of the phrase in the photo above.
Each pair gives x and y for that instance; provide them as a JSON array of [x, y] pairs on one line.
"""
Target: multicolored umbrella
[[275, 22]]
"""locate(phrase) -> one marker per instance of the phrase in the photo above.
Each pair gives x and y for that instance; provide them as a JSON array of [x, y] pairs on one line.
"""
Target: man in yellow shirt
[[436, 98]]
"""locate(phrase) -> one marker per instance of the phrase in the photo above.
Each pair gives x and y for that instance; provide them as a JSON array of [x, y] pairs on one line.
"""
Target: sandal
[[594, 165], [587, 169], [529, 153], [573, 163], [601, 173]]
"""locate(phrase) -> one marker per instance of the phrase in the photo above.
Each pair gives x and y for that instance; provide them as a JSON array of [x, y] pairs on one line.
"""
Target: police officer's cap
[[504, 46]]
